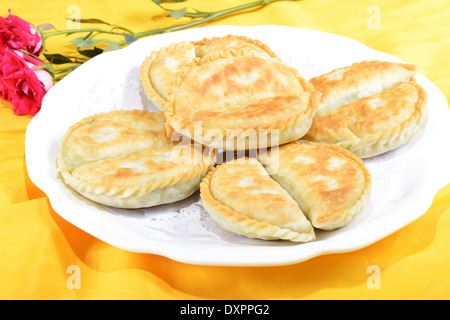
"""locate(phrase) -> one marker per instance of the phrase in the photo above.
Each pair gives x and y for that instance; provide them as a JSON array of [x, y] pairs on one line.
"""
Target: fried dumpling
[[242, 198], [375, 124], [359, 80], [240, 102], [159, 69], [124, 159], [209, 46], [330, 184], [368, 108]]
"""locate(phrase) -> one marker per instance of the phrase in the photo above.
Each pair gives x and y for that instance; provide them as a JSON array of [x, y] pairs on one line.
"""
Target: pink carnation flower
[[21, 84], [16, 33]]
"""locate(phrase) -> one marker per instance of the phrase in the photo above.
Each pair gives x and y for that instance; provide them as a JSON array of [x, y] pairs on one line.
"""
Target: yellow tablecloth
[[40, 253]]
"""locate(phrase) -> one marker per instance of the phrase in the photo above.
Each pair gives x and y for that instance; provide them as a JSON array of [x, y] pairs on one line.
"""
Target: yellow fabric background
[[37, 246]]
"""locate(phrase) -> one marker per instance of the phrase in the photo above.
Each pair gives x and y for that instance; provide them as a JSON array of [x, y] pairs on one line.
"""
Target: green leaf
[[112, 46], [87, 36], [57, 58], [93, 21], [129, 38], [83, 42], [177, 14], [90, 53], [45, 27]]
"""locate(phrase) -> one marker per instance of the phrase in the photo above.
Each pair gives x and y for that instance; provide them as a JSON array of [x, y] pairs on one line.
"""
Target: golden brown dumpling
[[241, 102], [124, 159], [242, 198], [159, 70], [330, 184], [368, 108]]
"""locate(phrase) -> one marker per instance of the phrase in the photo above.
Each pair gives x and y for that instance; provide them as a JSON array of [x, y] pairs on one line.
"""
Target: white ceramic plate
[[404, 181]]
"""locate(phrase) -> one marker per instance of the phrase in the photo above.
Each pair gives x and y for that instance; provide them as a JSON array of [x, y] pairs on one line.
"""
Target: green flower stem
[[68, 70], [206, 16], [55, 72], [202, 17], [46, 35]]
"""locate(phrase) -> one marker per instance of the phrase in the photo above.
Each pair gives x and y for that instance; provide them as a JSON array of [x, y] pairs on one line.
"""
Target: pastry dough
[[232, 42], [375, 124], [242, 198], [240, 101], [330, 184], [160, 69], [124, 159], [369, 108], [362, 79], [162, 66]]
